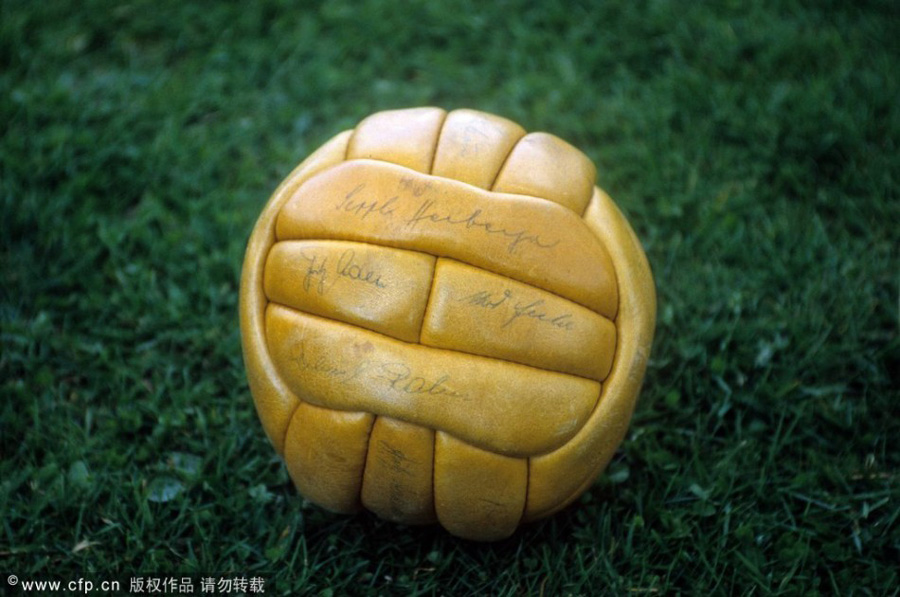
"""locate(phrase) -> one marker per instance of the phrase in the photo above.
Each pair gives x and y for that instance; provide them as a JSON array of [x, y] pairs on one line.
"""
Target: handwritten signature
[[347, 267], [427, 212], [399, 376], [532, 310], [362, 208], [395, 458], [322, 365]]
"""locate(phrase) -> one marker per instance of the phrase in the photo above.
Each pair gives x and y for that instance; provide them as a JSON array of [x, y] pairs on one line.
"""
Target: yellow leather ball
[[443, 319]]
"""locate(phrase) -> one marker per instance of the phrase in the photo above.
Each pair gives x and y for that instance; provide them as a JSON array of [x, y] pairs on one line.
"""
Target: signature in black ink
[[395, 458], [322, 365], [486, 299], [426, 212], [533, 310], [316, 273], [362, 208], [347, 267], [401, 378]]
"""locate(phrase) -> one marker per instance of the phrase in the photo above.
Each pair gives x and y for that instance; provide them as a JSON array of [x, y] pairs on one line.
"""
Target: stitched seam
[[615, 272], [453, 350], [455, 436], [397, 246], [428, 300], [587, 203], [365, 459], [503, 165], [388, 245], [433, 468], [354, 325], [489, 190], [265, 346], [434, 500], [437, 142], [511, 362], [287, 428], [350, 141], [527, 488]]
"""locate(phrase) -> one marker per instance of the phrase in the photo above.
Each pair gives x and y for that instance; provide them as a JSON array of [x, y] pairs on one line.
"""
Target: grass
[[753, 145]]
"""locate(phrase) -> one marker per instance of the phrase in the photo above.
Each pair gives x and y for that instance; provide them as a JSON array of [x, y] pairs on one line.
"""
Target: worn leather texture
[[445, 320]]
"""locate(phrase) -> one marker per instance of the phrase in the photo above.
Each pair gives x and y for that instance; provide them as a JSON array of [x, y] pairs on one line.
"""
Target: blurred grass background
[[753, 145]]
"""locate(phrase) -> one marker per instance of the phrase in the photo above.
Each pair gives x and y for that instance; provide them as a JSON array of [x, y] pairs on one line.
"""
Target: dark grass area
[[754, 146]]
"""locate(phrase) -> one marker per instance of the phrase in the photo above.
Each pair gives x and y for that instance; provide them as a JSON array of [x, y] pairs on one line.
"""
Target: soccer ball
[[443, 319]]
